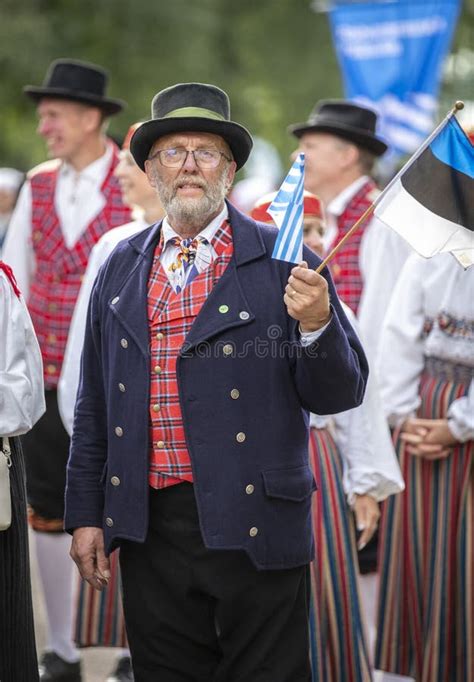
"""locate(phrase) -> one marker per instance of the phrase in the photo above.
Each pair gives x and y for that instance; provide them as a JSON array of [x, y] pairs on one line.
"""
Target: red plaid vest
[[345, 264], [170, 317], [59, 270]]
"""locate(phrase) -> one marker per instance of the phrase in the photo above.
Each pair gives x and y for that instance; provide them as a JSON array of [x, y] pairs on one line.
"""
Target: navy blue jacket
[[255, 494]]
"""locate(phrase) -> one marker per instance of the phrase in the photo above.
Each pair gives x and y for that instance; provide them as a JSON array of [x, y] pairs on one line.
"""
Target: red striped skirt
[[426, 602], [99, 615], [338, 646]]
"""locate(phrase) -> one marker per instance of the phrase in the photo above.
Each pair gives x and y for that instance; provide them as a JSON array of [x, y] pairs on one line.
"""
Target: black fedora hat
[[187, 107], [343, 119], [78, 81]]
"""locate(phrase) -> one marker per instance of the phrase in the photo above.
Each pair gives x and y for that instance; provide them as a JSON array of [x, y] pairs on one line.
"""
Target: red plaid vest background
[[59, 270], [170, 317], [345, 264]]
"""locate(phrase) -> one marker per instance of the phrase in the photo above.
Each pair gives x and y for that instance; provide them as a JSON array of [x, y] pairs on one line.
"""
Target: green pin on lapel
[[224, 308]]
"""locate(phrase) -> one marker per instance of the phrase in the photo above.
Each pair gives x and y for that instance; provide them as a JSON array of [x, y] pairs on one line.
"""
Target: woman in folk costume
[[426, 609], [355, 466], [21, 405], [99, 619]]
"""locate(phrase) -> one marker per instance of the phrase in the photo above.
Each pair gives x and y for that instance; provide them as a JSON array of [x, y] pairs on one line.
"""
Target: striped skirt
[[426, 603], [99, 615], [338, 646]]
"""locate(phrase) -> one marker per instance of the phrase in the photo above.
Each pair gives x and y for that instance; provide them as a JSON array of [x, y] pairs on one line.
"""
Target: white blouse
[[431, 314], [21, 368], [362, 436], [379, 273]]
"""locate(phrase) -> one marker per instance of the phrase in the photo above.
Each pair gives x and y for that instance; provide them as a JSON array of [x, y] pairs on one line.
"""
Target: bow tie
[[186, 254], [183, 267]]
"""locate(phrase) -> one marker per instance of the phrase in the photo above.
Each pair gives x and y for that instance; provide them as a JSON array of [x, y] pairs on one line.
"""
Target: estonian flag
[[287, 211], [430, 203]]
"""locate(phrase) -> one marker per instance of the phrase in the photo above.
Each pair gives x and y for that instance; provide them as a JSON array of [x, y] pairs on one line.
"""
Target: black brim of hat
[[108, 106], [355, 135], [236, 136]]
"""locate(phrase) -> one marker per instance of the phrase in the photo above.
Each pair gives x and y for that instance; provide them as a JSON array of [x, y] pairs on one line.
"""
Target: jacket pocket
[[295, 484]]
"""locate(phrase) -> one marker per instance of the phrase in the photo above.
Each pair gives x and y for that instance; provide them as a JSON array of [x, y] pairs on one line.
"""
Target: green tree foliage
[[273, 57]]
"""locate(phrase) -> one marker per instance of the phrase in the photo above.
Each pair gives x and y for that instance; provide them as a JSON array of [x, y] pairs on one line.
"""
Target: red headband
[[312, 207]]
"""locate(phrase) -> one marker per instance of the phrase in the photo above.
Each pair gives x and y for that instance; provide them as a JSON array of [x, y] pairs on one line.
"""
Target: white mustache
[[195, 181]]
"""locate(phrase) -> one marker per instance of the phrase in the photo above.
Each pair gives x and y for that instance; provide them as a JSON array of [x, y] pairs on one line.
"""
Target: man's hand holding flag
[[306, 294]]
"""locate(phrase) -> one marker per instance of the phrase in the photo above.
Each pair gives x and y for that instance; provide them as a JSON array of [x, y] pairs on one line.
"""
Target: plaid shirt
[[170, 316], [345, 268], [59, 270]]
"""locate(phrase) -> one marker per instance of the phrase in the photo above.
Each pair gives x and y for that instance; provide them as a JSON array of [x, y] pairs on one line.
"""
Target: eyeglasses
[[176, 157]]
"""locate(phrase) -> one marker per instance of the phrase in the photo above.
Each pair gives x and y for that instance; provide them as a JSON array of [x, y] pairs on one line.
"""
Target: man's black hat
[[191, 107], [78, 81], [343, 119]]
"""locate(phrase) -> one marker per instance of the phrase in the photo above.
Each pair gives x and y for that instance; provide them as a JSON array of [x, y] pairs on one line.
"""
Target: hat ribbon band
[[196, 112]]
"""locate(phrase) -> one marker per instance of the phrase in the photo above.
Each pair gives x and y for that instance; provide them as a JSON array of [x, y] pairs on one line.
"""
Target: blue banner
[[391, 55]]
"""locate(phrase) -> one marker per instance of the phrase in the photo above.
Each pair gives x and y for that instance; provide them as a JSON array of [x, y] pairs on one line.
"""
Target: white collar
[[96, 171], [338, 204], [207, 233]]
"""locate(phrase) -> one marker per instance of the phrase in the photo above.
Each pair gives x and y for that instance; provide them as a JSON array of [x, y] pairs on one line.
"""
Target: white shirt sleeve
[[363, 438], [461, 416], [70, 372], [21, 368], [382, 255], [307, 338], [18, 250], [400, 359]]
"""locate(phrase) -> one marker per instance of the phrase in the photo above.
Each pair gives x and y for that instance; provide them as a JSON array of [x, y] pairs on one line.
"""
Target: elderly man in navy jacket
[[202, 358]]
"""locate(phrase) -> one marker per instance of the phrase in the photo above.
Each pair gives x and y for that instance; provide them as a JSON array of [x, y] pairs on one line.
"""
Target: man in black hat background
[[341, 146], [190, 442], [63, 209]]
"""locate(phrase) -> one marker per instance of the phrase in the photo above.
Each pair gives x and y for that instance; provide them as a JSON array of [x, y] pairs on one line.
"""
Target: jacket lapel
[[130, 300]]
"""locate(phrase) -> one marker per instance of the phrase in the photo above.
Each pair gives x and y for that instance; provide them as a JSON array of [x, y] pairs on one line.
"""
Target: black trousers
[[46, 449], [200, 615]]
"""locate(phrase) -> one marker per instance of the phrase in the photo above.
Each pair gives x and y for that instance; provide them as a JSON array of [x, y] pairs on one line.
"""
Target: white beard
[[190, 210]]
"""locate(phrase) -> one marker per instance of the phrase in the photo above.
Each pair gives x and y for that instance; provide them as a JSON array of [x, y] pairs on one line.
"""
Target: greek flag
[[286, 210]]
